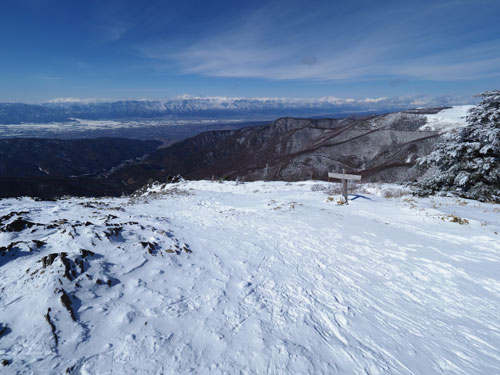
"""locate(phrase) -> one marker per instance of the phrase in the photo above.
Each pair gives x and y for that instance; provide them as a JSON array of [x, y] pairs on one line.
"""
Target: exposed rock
[[47, 260], [12, 214], [113, 232], [18, 225], [52, 326], [66, 302], [3, 330], [85, 253], [67, 266], [150, 246], [39, 243], [5, 249]]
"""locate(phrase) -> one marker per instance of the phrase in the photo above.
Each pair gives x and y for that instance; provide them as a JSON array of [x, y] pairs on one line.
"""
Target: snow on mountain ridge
[[224, 99], [447, 119], [225, 102], [71, 100]]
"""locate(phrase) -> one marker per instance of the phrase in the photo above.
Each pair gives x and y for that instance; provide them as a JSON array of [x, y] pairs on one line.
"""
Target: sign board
[[344, 177], [341, 176]]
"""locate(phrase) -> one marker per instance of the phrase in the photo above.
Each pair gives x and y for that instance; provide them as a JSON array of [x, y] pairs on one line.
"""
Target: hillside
[[32, 157], [380, 148], [261, 277]]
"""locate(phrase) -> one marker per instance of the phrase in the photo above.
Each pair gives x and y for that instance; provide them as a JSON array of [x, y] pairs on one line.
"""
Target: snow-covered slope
[[447, 119], [210, 278]]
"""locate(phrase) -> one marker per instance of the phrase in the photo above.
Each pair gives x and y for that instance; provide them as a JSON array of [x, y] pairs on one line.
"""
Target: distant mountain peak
[[71, 100]]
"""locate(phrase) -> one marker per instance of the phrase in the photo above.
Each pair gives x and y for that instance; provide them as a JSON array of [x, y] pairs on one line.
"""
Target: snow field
[[447, 119], [280, 280]]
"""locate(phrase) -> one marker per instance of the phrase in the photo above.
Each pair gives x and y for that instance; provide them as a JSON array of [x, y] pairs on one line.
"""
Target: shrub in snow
[[468, 161]]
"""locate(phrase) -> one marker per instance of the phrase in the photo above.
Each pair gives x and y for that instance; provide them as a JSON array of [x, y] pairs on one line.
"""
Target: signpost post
[[344, 177]]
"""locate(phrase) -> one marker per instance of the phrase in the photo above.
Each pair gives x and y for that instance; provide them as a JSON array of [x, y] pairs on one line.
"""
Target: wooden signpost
[[344, 177]]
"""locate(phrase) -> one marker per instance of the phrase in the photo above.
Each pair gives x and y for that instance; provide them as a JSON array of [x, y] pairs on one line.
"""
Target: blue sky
[[156, 49]]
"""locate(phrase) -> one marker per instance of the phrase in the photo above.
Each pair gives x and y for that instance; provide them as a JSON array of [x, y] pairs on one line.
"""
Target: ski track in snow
[[279, 281]]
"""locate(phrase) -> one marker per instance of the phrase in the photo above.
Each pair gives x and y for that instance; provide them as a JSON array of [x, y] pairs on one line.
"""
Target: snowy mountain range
[[66, 109]]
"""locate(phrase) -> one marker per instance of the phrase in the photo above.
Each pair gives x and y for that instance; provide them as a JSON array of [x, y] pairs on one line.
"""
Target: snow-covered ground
[[447, 119], [210, 278]]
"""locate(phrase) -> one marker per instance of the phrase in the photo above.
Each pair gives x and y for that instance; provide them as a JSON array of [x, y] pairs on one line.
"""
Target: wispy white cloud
[[113, 32], [321, 45], [471, 62], [110, 21]]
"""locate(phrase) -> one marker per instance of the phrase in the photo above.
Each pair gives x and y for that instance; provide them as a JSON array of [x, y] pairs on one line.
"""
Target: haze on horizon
[[298, 49]]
